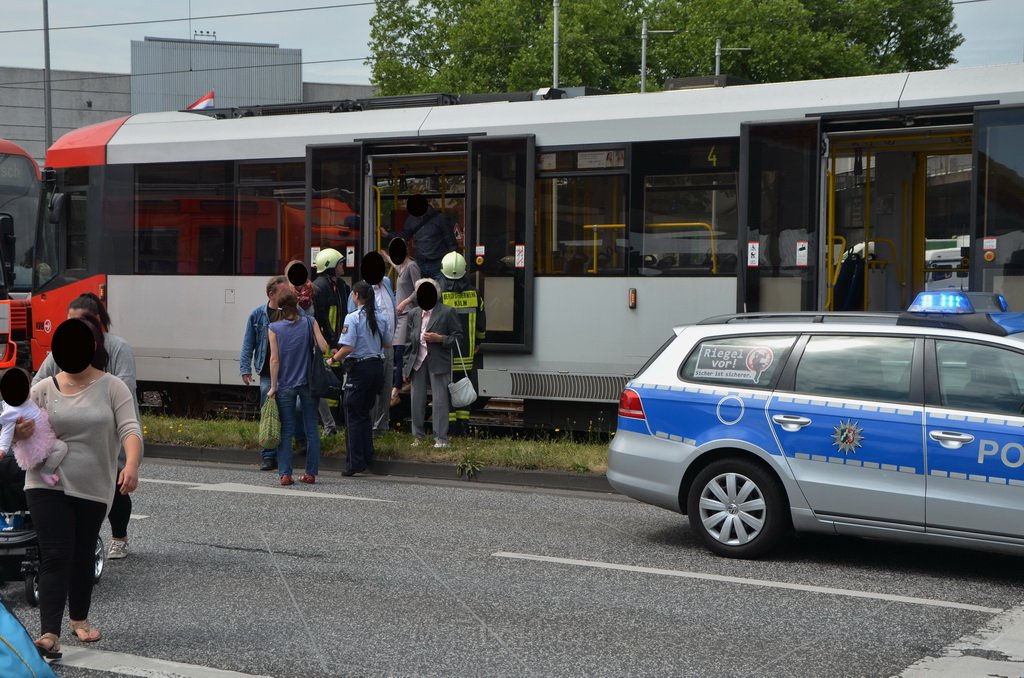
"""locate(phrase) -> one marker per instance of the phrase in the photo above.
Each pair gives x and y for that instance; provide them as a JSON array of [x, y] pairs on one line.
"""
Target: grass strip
[[559, 452]]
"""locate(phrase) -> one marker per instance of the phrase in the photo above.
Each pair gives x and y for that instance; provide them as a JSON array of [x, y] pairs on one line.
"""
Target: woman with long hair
[[362, 352], [291, 340]]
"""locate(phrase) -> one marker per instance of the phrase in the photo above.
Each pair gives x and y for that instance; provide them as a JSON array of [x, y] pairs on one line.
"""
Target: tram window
[[271, 228], [582, 226], [193, 200], [689, 227]]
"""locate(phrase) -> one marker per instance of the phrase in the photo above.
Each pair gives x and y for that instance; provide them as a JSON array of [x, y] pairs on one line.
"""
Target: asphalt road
[[380, 576]]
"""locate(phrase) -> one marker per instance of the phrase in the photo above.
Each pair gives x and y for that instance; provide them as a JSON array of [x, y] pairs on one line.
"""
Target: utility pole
[[718, 54], [48, 115], [644, 32], [554, 66]]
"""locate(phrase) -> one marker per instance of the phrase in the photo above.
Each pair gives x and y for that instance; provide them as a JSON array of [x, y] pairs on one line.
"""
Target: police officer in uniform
[[458, 292], [362, 352]]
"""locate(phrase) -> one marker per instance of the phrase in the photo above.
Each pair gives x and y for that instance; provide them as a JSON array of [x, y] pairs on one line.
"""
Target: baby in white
[[42, 447]]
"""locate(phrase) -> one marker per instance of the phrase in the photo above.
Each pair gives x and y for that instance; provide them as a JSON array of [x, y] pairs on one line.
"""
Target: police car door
[[849, 421], [974, 433]]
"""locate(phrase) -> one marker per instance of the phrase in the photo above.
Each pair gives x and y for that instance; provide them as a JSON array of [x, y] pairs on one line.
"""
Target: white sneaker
[[440, 444], [416, 442], [118, 549]]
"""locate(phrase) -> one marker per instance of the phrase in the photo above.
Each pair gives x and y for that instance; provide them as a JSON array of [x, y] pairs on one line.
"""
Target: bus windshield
[[21, 197]]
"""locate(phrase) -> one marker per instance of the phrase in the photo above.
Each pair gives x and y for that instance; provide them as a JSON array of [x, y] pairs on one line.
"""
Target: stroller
[[19, 551]]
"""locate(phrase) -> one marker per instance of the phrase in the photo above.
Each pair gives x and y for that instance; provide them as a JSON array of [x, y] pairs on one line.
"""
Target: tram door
[[898, 217], [998, 254], [779, 233], [334, 201], [499, 237]]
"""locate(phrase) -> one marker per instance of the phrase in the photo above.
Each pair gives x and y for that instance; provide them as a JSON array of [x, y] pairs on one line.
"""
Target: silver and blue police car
[[902, 426]]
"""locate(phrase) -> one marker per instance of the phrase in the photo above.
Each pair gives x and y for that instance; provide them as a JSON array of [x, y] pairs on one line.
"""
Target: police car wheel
[[737, 509]]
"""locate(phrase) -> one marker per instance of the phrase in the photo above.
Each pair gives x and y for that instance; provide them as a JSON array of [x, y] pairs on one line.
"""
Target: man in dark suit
[[433, 330]]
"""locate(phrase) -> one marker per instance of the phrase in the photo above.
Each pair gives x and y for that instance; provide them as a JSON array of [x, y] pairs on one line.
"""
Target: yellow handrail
[[376, 190], [595, 228], [693, 224]]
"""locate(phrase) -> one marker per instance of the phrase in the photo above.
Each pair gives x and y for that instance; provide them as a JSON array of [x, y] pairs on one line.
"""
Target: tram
[[592, 224]]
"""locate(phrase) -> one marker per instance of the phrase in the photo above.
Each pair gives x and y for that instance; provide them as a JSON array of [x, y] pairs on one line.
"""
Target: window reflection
[[865, 368]]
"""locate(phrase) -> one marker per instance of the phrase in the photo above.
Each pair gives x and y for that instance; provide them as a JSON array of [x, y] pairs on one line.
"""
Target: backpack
[[19, 657]]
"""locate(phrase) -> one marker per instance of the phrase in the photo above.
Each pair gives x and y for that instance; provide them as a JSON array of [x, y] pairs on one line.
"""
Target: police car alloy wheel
[[736, 508]]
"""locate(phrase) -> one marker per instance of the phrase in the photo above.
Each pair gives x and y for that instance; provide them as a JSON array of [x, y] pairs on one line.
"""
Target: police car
[[903, 426]]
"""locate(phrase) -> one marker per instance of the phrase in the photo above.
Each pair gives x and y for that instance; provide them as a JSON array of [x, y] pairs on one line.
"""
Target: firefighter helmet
[[453, 266], [327, 259]]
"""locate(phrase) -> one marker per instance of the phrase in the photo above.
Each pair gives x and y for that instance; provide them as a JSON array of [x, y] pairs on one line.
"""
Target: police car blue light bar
[[941, 302]]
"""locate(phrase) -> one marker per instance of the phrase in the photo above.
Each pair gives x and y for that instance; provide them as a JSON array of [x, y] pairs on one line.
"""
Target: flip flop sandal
[[86, 632], [48, 646]]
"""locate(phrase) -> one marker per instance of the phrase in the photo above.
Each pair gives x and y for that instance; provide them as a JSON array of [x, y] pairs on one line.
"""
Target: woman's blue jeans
[[289, 415]]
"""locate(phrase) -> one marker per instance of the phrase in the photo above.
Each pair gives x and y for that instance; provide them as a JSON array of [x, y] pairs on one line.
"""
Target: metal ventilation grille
[[567, 386]]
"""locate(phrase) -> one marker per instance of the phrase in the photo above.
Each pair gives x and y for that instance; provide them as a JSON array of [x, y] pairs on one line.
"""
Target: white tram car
[[592, 224]]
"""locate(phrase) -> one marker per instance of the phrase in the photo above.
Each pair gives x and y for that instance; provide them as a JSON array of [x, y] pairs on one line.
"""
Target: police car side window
[[979, 377], [748, 362], [861, 367]]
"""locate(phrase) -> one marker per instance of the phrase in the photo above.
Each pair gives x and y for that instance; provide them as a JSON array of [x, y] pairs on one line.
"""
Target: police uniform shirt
[[356, 333]]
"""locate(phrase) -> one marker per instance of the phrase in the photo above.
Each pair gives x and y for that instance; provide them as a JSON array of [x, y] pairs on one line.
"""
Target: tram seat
[[848, 293]]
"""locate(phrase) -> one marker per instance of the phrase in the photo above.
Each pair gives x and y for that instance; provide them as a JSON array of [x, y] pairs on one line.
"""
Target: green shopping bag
[[270, 425]]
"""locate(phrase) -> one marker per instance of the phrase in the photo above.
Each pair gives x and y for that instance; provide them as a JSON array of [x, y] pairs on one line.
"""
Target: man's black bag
[[323, 383]]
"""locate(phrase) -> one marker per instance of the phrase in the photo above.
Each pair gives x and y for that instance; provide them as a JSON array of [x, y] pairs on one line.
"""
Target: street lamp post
[[554, 65]]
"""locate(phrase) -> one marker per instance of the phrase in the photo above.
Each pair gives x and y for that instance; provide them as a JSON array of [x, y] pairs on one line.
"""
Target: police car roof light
[[941, 302]]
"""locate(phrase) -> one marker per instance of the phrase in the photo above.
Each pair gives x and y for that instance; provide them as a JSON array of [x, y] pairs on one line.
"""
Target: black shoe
[[348, 474], [268, 465]]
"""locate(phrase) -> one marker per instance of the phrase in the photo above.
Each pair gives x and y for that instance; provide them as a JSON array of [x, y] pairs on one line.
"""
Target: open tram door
[[499, 239], [334, 202], [997, 256], [778, 216], [897, 212]]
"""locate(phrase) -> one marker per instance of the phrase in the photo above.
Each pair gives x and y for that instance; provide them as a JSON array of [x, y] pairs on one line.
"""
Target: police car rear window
[[748, 362]]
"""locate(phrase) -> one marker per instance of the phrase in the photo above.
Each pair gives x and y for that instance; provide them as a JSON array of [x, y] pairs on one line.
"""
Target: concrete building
[[167, 74]]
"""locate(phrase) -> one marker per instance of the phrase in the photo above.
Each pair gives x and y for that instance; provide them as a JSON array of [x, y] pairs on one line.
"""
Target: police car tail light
[[941, 302], [630, 405]]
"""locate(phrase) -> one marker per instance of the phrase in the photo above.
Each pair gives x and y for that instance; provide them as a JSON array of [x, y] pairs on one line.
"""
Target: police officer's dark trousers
[[364, 381]]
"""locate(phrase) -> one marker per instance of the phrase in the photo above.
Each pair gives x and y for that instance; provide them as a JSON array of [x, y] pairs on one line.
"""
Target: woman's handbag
[[323, 383], [269, 435], [461, 392]]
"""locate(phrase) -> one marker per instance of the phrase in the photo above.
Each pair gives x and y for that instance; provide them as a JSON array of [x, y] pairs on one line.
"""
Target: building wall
[[170, 74], [81, 98], [77, 99]]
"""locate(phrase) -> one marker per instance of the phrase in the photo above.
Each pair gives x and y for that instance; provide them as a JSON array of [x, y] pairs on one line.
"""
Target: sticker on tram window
[[739, 363], [600, 159]]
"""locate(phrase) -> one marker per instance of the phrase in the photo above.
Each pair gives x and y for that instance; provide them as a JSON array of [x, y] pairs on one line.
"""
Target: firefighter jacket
[[469, 305]]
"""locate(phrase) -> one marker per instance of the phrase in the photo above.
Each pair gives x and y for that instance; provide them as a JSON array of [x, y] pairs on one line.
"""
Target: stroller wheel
[[32, 588], [100, 556]]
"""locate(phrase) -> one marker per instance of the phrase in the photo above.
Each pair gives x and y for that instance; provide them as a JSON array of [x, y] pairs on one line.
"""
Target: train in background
[[21, 206], [592, 225]]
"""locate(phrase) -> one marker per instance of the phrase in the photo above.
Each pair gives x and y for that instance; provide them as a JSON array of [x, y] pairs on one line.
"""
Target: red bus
[[21, 201]]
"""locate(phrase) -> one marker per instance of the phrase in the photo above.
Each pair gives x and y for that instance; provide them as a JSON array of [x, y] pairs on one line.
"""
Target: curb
[[554, 480]]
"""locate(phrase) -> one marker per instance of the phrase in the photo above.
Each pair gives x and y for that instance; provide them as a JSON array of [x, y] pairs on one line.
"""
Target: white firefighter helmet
[[327, 259], [453, 266]]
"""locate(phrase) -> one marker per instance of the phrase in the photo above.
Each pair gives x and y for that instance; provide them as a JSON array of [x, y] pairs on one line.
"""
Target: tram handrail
[[377, 191], [595, 228]]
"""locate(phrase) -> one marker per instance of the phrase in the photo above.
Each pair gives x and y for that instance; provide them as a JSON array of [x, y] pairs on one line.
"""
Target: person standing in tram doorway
[[458, 292], [330, 295], [431, 230], [400, 256]]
